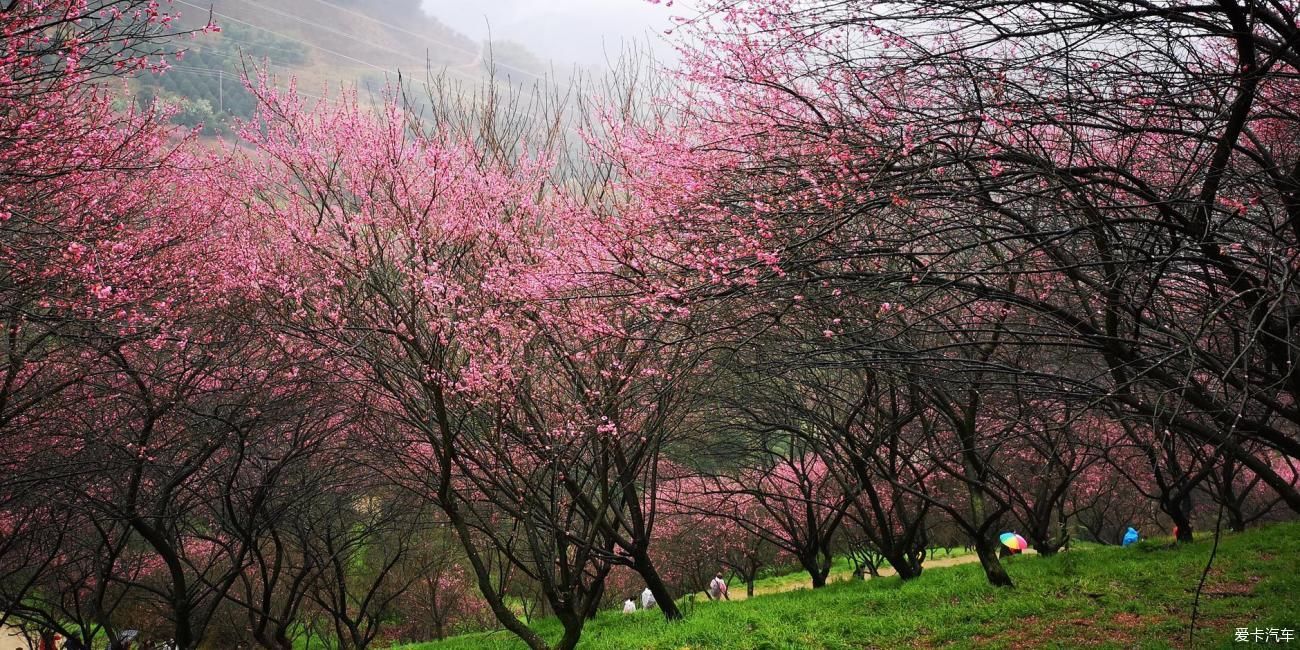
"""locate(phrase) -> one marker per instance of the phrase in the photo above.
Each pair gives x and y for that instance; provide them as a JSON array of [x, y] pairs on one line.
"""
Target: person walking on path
[[718, 588]]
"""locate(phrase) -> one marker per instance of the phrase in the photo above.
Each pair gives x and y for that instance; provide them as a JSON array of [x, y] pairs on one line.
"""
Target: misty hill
[[322, 43]]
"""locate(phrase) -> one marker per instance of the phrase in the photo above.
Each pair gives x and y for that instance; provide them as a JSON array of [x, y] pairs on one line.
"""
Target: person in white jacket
[[647, 599], [718, 588]]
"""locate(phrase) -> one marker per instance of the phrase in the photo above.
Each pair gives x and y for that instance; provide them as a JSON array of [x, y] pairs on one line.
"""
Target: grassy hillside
[[1100, 597], [351, 39], [323, 44]]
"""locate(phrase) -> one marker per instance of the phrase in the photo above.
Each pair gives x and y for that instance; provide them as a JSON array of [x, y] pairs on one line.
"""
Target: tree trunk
[[108, 630], [572, 622], [354, 632], [184, 633], [1063, 526], [1180, 511], [817, 570], [1040, 535], [596, 598], [818, 575], [503, 614], [904, 566], [1236, 519], [663, 599], [1229, 498], [1044, 543], [975, 468], [993, 569]]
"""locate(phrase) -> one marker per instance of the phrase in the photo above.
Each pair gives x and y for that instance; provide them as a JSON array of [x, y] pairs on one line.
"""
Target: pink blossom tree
[[941, 155]]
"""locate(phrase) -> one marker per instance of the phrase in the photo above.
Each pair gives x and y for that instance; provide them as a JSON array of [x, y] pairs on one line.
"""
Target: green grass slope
[[1101, 597]]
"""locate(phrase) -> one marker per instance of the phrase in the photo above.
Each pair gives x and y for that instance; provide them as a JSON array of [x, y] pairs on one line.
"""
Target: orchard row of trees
[[858, 284]]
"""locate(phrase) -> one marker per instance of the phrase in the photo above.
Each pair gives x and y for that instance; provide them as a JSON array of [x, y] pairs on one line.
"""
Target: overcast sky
[[562, 31]]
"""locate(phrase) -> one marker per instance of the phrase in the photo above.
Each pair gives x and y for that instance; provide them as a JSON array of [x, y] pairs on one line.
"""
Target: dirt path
[[12, 639], [738, 589]]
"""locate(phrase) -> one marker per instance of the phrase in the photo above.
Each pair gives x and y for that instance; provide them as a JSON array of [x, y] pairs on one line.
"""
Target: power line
[[289, 38], [331, 30]]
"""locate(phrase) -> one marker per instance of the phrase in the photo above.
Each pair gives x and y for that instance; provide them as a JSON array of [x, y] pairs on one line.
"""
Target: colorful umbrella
[[1013, 541]]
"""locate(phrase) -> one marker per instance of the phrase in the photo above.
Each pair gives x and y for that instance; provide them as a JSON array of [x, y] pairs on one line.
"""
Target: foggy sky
[[560, 31]]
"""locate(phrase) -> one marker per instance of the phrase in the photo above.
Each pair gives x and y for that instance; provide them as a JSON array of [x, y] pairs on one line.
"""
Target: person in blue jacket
[[1130, 537]]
